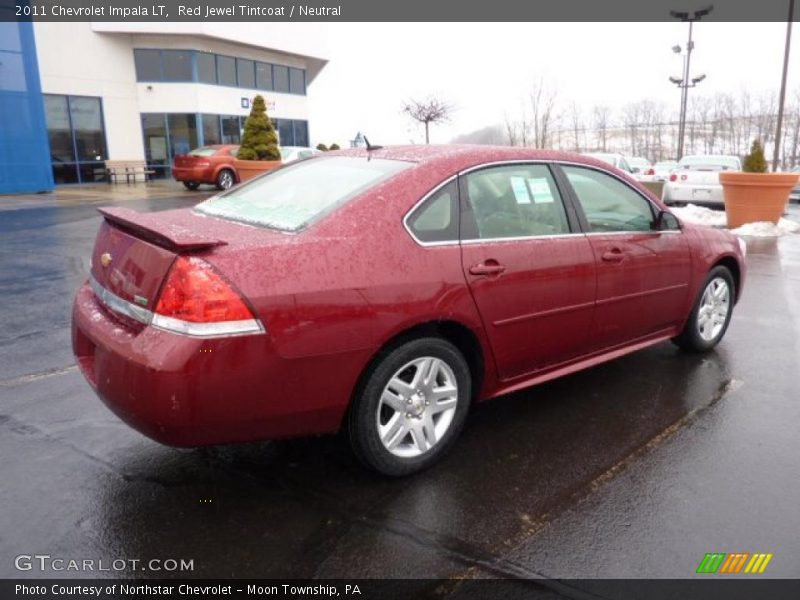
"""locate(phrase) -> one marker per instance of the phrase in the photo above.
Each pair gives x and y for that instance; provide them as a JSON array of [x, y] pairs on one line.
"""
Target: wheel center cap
[[417, 404]]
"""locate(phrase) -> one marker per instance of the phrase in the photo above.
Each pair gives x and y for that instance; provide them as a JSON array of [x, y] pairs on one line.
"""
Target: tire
[[419, 423], [225, 180], [191, 185], [701, 334]]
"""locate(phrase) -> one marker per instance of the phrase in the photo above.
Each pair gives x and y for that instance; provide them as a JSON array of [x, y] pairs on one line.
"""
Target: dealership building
[[73, 95]]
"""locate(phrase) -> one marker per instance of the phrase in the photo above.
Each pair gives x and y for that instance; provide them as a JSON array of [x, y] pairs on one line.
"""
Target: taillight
[[203, 164], [650, 172], [673, 177], [196, 300]]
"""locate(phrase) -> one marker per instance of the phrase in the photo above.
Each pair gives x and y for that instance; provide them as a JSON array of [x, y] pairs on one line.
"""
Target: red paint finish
[[204, 169], [332, 296]]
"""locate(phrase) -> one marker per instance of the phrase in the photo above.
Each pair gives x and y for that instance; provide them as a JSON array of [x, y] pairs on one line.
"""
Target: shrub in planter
[[258, 151], [334, 147], [752, 194], [322, 147]]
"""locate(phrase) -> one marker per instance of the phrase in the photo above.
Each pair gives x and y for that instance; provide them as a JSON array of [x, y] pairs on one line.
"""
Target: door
[[531, 273], [642, 274]]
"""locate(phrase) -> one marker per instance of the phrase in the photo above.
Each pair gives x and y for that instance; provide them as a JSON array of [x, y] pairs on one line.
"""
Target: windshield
[[720, 162], [204, 151], [288, 199]]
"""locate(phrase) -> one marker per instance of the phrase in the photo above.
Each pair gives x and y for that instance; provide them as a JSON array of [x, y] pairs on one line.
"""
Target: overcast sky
[[485, 70]]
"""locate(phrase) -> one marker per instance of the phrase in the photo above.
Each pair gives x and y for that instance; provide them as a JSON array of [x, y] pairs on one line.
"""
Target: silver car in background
[[662, 169], [696, 179], [612, 158], [794, 195]]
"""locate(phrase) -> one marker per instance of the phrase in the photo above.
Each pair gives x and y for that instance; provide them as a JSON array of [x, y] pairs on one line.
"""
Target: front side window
[[513, 201], [436, 219], [608, 203], [290, 198]]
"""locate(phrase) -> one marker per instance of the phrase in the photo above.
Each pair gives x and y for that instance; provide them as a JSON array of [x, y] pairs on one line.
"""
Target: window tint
[[245, 70], [148, 65], [608, 203], [206, 68], [280, 78], [297, 81], [226, 70], [514, 201], [436, 220], [289, 198], [263, 76], [177, 65]]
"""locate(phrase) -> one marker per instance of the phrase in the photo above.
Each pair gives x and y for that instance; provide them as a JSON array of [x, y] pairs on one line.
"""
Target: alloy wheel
[[714, 307]]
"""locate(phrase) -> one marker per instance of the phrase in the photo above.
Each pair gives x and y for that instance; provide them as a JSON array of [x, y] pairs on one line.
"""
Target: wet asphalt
[[635, 468]]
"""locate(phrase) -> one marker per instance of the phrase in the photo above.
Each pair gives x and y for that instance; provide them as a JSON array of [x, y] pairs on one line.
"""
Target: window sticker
[[520, 190], [540, 189]]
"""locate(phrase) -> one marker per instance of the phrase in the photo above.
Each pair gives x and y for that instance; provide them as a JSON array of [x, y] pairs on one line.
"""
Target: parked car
[[290, 153], [662, 169], [612, 158], [696, 179], [639, 167], [384, 291], [207, 164], [794, 196]]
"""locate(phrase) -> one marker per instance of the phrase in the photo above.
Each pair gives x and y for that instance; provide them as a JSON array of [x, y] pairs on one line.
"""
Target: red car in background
[[384, 291], [207, 164]]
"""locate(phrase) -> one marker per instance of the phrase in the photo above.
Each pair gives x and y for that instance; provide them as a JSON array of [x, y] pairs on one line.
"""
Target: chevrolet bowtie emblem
[[105, 259]]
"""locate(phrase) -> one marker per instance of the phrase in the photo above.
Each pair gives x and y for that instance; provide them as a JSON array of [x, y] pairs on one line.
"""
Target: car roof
[[456, 157]]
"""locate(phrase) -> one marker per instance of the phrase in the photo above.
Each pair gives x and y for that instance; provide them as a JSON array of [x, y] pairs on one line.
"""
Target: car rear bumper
[[199, 174], [185, 391], [694, 194]]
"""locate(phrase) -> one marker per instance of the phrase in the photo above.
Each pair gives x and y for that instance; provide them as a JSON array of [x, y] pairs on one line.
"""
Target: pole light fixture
[[686, 82], [782, 98]]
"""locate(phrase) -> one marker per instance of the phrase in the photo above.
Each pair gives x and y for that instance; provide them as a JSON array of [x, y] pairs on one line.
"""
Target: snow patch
[[767, 229], [699, 215]]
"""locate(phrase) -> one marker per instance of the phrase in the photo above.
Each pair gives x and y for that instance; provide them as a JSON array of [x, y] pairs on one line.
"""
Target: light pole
[[782, 98], [684, 82]]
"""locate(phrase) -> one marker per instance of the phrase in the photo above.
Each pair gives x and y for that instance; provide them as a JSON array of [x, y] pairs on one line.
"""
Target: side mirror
[[666, 221]]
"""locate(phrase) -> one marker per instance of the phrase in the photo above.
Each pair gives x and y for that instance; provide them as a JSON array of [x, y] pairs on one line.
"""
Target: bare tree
[[576, 120], [543, 117], [431, 110], [631, 113], [601, 117]]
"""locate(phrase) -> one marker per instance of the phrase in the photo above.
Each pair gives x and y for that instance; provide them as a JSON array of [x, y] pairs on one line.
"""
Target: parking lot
[[636, 468]]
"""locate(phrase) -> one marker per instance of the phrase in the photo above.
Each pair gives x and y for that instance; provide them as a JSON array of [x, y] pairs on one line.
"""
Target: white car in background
[[662, 169], [640, 167], [290, 153], [696, 179], [612, 158], [794, 195]]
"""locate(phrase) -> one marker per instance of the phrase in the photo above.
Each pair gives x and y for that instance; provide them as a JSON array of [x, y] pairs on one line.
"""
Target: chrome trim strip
[[208, 330], [119, 305], [198, 330], [522, 238], [649, 232]]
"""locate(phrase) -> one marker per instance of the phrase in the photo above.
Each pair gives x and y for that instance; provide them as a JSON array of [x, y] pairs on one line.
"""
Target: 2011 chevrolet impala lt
[[384, 291]]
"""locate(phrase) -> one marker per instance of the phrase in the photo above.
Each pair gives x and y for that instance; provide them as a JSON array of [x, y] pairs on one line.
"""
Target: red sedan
[[384, 292], [208, 164]]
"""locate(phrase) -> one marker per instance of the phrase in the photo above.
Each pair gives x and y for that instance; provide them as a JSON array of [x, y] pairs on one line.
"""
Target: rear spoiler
[[152, 228]]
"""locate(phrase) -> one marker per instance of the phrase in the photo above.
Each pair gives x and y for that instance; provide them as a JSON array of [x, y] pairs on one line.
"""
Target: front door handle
[[489, 267], [613, 255]]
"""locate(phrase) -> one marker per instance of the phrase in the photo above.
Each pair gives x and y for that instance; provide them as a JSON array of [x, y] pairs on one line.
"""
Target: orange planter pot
[[751, 197], [248, 169]]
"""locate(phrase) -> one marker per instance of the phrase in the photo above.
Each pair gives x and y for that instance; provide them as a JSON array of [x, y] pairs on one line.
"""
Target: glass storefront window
[[300, 133], [77, 138], [226, 70], [280, 77], [154, 129], [263, 76], [211, 130], [245, 72], [297, 81], [148, 64], [182, 133], [206, 67], [285, 132], [177, 65], [231, 132]]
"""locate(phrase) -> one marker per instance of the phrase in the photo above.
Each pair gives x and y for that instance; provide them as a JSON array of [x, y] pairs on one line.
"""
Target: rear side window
[[436, 219], [204, 151], [608, 203], [290, 198], [514, 201]]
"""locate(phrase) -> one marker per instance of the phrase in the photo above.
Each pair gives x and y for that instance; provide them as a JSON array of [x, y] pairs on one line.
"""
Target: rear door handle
[[489, 267], [613, 255]]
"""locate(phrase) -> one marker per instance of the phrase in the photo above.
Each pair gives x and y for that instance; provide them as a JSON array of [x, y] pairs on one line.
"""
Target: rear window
[[204, 151], [710, 162], [290, 198]]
